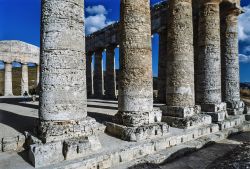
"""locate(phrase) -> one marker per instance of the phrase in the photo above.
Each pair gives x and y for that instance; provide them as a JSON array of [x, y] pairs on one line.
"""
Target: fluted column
[[37, 74], [98, 75], [110, 77], [8, 91], [208, 89], [230, 59], [89, 74], [63, 100], [136, 119], [180, 110], [25, 79], [162, 66]]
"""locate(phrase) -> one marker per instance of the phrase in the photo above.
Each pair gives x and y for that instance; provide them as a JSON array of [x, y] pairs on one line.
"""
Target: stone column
[[98, 75], [89, 74], [8, 91], [136, 119], [162, 66], [25, 79], [230, 60], [37, 74], [208, 73], [64, 128], [110, 78], [180, 110]]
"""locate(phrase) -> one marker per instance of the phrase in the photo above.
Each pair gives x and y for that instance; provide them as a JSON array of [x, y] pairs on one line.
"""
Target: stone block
[[79, 147], [137, 133], [231, 121], [217, 116], [214, 107], [188, 122], [9, 144], [41, 155], [181, 112]]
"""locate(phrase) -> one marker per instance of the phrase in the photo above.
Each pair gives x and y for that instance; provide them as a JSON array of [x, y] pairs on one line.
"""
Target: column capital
[[6, 62]]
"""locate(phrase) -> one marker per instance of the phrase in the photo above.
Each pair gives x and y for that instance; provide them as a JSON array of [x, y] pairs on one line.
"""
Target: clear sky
[[20, 20]]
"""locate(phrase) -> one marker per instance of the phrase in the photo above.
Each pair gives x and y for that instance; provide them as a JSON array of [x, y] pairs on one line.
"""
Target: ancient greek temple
[[198, 80]]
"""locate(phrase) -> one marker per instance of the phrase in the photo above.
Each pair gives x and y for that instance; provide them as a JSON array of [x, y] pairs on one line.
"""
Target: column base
[[41, 155], [137, 126], [50, 131], [187, 122], [9, 94], [218, 111], [139, 133], [184, 117], [235, 107], [231, 121]]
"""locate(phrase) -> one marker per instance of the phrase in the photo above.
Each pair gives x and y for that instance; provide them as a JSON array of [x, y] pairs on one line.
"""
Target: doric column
[[162, 66], [8, 91], [89, 74], [98, 75], [208, 73], [64, 128], [230, 59], [37, 74], [136, 119], [180, 110], [110, 76], [25, 79]]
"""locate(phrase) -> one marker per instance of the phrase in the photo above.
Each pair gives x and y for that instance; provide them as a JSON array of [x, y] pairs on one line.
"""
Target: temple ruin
[[198, 81]]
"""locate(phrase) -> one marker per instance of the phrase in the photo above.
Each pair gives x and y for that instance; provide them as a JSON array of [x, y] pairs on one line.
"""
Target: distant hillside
[[245, 85]]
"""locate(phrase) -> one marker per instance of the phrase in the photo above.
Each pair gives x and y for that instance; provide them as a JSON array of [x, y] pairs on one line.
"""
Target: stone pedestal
[[25, 79], [136, 119], [110, 76], [180, 110], [89, 74], [8, 91], [162, 66], [208, 73], [64, 131], [230, 59], [98, 75]]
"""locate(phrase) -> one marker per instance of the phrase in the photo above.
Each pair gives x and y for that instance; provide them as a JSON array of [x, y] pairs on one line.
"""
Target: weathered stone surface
[[41, 155], [25, 79], [230, 59], [232, 121], [110, 76], [138, 133], [18, 51], [8, 91], [9, 144], [187, 122], [89, 74], [98, 75]]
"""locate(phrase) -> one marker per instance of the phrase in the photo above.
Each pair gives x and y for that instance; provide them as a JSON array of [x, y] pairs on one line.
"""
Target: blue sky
[[20, 20]]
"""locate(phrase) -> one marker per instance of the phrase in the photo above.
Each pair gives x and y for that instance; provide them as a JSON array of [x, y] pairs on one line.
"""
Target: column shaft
[[98, 75], [63, 100], [180, 110], [209, 62], [162, 66], [136, 119], [25, 79], [8, 91], [180, 60], [110, 77], [89, 74], [230, 60], [37, 74]]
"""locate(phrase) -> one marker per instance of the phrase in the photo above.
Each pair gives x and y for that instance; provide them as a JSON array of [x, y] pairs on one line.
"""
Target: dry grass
[[245, 95]]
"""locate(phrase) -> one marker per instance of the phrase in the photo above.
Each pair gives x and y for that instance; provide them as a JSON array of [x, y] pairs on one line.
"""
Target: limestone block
[[188, 122], [45, 154], [179, 111], [214, 107], [137, 133], [217, 116], [9, 144], [79, 147]]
